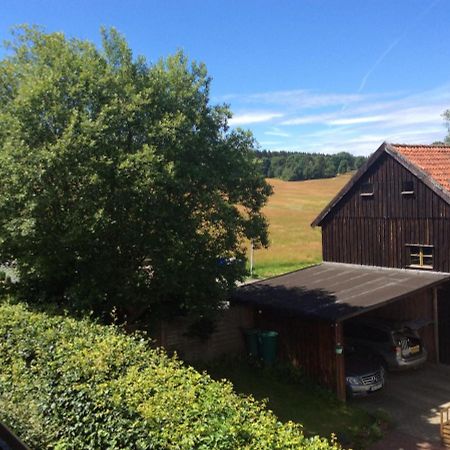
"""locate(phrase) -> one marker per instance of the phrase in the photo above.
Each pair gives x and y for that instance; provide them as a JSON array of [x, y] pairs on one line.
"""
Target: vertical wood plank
[[436, 324], [340, 363]]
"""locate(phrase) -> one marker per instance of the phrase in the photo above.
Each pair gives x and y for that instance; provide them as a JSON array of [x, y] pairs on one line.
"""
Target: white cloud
[[296, 98], [253, 117], [270, 143], [423, 109], [305, 120], [328, 128], [277, 132], [356, 120], [303, 98]]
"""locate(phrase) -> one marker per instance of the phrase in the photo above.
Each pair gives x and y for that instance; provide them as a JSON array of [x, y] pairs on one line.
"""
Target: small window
[[420, 256], [407, 187], [366, 190]]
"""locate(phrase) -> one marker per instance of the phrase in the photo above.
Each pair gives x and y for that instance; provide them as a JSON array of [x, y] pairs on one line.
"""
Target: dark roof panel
[[335, 291]]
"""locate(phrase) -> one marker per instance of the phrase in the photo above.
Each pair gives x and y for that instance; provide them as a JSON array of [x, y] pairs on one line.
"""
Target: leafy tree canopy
[[294, 166], [120, 184]]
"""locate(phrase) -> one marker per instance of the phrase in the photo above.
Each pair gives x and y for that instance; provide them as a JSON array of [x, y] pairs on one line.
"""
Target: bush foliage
[[67, 384], [120, 183]]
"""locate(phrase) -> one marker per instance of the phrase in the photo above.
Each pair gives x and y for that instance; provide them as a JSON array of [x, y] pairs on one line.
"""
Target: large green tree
[[120, 184]]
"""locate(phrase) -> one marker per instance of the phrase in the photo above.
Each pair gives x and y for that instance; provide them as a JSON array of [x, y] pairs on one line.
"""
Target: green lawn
[[300, 401], [290, 211], [267, 269]]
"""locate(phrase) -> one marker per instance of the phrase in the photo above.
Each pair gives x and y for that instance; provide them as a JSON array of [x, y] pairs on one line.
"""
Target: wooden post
[[340, 362], [251, 259], [436, 324]]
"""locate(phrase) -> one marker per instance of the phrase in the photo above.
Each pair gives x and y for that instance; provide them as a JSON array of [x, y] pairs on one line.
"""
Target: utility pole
[[251, 259]]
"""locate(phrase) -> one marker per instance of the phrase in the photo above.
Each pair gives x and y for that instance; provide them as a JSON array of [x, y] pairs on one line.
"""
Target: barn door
[[443, 297]]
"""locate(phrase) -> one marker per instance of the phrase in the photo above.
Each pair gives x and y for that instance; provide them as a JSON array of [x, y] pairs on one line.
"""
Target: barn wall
[[307, 344], [227, 339], [443, 307], [374, 230]]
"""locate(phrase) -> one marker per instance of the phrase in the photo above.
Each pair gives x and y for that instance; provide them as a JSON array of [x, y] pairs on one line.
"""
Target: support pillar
[[436, 324], [340, 362]]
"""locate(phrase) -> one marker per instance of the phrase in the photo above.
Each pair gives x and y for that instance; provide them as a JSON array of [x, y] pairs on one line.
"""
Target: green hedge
[[68, 384]]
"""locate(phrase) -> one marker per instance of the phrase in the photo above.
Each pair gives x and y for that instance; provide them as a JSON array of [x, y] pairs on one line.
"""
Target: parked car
[[397, 344], [363, 372]]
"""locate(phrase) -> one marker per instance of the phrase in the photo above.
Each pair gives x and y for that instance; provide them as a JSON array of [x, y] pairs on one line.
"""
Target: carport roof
[[335, 291]]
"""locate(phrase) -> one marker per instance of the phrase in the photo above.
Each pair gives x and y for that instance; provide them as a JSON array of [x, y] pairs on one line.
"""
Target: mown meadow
[[290, 210]]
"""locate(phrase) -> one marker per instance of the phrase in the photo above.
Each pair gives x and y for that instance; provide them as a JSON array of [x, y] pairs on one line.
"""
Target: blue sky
[[309, 75]]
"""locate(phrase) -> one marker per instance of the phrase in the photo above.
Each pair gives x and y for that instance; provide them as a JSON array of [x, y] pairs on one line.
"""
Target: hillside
[[290, 211]]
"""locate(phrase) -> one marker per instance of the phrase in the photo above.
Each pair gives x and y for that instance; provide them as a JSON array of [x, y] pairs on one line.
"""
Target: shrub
[[68, 384]]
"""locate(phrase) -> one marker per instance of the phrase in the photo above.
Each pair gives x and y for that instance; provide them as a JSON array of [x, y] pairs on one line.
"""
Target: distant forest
[[295, 166]]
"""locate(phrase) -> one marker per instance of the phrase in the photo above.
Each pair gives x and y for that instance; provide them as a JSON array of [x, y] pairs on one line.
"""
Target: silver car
[[397, 344], [363, 373]]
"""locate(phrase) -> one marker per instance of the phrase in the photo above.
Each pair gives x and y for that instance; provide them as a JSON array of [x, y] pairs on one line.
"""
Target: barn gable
[[394, 212], [429, 164]]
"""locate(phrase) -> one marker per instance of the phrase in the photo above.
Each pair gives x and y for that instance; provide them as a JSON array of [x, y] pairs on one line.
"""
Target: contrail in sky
[[379, 61], [394, 44]]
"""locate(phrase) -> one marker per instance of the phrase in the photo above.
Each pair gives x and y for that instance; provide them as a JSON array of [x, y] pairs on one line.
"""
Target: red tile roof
[[434, 160]]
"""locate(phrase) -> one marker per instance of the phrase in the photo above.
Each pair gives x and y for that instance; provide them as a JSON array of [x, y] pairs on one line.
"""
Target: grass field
[[291, 209]]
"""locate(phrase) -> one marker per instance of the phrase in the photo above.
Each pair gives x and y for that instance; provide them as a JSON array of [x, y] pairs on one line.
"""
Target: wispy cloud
[[413, 109], [296, 98], [368, 120], [276, 132], [356, 120], [253, 117], [303, 98], [270, 143]]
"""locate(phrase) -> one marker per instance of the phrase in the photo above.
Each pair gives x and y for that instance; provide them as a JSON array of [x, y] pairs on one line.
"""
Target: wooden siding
[[310, 345], [375, 230], [444, 323], [227, 339]]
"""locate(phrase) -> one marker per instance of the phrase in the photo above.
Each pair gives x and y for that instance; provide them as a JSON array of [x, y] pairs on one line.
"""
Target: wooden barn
[[386, 253]]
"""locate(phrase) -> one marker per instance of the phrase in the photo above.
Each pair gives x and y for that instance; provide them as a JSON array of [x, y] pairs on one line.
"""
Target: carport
[[308, 307]]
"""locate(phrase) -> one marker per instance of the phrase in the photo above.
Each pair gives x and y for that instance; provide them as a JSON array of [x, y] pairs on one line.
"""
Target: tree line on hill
[[296, 166]]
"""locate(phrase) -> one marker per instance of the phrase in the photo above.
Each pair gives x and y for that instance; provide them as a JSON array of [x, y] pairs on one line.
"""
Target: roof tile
[[434, 160]]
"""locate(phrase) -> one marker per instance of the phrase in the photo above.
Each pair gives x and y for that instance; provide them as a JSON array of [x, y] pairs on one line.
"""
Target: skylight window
[[408, 187], [366, 190]]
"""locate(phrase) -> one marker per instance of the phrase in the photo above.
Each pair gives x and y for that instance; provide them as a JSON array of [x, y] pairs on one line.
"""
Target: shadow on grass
[[292, 396]]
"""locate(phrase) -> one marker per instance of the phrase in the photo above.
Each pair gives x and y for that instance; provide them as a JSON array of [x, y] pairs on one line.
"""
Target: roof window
[[408, 187], [366, 190]]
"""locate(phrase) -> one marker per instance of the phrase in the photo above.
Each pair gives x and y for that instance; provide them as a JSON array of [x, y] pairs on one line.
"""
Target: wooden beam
[[340, 362], [436, 324]]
